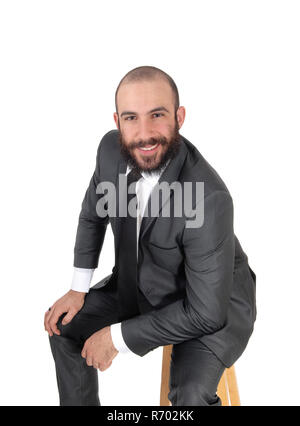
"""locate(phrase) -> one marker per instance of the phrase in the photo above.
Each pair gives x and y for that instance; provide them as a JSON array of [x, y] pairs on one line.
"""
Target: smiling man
[[171, 284], [149, 138]]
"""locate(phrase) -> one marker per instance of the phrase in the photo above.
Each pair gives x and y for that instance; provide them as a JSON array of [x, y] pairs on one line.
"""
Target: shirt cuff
[[117, 338], [82, 279]]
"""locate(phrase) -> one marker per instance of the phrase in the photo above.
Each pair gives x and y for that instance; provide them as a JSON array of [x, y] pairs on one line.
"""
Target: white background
[[237, 68]]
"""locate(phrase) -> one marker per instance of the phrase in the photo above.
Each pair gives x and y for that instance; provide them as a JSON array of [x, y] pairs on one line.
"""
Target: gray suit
[[197, 281]]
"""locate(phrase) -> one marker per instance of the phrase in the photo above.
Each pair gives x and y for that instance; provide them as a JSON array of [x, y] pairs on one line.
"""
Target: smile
[[151, 148]]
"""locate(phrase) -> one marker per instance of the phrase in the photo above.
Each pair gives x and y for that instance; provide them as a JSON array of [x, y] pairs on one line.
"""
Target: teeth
[[149, 149]]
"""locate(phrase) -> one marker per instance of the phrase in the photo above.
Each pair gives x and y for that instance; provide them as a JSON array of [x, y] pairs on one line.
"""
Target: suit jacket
[[197, 280]]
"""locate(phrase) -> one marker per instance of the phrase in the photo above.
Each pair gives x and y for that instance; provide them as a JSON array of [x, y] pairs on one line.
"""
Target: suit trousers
[[194, 370]]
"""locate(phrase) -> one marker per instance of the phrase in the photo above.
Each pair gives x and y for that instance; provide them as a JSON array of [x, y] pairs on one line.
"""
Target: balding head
[[148, 73]]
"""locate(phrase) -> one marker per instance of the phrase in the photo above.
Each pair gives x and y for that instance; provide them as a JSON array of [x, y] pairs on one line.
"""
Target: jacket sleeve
[[91, 227], [209, 263]]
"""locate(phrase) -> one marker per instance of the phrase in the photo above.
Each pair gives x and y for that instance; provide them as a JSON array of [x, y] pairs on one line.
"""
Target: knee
[[62, 328], [55, 339], [67, 330], [64, 343]]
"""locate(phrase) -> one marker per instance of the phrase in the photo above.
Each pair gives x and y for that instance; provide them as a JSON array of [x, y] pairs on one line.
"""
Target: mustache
[[152, 141]]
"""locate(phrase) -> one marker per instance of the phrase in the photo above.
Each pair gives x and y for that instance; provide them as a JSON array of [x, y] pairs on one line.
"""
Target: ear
[[116, 118], [180, 116]]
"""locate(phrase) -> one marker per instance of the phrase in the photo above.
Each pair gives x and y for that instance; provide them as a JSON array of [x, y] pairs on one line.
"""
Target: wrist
[[77, 293]]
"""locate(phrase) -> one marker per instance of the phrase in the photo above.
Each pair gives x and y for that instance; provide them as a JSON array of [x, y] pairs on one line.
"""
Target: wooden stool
[[227, 388]]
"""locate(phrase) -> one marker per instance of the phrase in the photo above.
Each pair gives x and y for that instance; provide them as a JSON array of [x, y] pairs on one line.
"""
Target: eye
[[158, 113], [130, 116]]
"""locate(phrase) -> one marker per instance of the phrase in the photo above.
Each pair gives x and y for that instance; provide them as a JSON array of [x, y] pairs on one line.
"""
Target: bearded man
[[175, 281]]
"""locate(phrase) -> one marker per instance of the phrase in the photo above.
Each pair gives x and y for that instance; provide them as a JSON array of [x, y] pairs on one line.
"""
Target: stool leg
[[233, 387], [222, 390], [165, 375]]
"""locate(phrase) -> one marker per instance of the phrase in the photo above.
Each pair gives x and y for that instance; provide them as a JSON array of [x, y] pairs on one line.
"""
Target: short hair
[[148, 73]]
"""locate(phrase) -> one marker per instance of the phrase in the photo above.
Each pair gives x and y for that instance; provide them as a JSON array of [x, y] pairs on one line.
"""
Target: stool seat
[[227, 389]]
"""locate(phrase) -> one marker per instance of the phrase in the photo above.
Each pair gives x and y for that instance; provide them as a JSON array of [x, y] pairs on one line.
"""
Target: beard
[[150, 163]]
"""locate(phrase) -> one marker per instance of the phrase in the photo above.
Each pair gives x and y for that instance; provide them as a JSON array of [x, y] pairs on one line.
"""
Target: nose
[[144, 130]]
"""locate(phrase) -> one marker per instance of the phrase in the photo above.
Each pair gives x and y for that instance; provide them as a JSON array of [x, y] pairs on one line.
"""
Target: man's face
[[148, 126]]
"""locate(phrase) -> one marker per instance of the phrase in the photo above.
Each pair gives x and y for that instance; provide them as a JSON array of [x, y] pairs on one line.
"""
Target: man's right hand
[[70, 303]]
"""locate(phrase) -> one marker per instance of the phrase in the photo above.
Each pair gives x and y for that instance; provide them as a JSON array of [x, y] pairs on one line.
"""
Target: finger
[[53, 320], [45, 319], [89, 361], [46, 322], [68, 318], [83, 353], [104, 367], [50, 318]]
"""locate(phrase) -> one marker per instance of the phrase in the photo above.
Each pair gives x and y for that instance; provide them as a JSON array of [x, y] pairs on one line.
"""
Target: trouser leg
[[195, 373], [77, 382]]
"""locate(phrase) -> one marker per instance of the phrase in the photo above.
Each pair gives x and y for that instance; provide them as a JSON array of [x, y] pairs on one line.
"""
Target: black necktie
[[127, 262]]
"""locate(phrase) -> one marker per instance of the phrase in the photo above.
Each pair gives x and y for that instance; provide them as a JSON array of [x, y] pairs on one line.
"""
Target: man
[[175, 281]]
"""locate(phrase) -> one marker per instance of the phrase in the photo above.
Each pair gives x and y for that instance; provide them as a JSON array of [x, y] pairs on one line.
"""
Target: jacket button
[[148, 291]]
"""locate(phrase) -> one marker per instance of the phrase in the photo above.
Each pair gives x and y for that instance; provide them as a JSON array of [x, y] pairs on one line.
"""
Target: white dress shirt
[[82, 277]]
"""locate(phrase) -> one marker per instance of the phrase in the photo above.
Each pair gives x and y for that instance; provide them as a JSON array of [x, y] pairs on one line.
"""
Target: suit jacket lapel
[[121, 170]]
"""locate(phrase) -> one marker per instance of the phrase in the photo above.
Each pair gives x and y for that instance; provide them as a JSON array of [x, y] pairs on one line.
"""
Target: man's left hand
[[99, 350]]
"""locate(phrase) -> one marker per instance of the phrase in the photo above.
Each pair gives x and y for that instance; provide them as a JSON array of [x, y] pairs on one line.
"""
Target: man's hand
[[70, 303], [99, 350]]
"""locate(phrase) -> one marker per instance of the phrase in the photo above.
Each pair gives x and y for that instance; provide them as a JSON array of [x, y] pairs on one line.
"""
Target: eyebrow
[[149, 112]]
